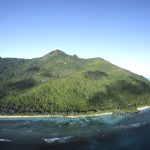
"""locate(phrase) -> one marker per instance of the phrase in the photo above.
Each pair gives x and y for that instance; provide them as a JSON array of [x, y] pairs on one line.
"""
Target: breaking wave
[[134, 125], [5, 140], [58, 140]]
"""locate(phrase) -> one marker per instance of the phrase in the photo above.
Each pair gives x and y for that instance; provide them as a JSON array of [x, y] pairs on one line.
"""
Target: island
[[62, 84]]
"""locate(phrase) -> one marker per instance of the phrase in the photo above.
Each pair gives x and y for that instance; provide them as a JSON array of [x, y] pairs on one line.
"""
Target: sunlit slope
[[61, 83]]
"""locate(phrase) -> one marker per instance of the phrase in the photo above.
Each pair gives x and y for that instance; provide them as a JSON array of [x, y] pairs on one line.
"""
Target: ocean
[[130, 131]]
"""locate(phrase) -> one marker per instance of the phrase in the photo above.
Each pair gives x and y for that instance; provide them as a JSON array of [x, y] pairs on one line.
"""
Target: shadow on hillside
[[35, 69], [120, 87], [95, 75], [23, 84], [141, 82]]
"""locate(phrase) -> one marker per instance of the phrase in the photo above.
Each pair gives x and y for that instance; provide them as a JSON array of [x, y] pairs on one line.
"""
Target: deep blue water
[[112, 132]]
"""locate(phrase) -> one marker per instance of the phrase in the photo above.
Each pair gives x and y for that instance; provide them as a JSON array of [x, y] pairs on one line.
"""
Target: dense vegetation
[[60, 83]]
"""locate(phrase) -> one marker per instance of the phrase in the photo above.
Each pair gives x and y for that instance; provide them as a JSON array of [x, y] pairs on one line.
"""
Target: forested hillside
[[61, 83]]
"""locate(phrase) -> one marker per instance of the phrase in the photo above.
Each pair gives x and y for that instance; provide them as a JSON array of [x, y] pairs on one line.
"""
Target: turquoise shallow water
[[111, 132]]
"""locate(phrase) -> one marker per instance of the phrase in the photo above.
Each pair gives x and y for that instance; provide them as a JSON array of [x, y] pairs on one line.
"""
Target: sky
[[116, 30]]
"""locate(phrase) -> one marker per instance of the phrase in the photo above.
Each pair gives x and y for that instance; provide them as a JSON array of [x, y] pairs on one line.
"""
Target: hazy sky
[[116, 30]]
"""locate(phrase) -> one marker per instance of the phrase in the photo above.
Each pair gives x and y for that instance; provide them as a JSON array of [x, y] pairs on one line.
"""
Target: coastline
[[47, 116], [139, 109], [143, 108]]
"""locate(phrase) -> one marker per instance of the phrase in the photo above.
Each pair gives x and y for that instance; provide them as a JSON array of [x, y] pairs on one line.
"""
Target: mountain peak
[[56, 52]]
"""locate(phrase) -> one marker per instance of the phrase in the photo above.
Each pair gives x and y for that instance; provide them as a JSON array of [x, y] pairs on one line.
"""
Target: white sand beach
[[39, 116], [143, 108]]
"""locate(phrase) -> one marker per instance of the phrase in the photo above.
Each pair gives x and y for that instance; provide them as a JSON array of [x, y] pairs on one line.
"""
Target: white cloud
[[134, 66]]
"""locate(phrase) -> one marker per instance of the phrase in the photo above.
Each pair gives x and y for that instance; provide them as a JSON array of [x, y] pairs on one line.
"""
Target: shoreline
[[139, 109], [47, 116], [143, 108]]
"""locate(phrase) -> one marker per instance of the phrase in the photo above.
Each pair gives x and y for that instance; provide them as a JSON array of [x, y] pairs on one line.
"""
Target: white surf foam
[[4, 140], [134, 125], [59, 140]]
